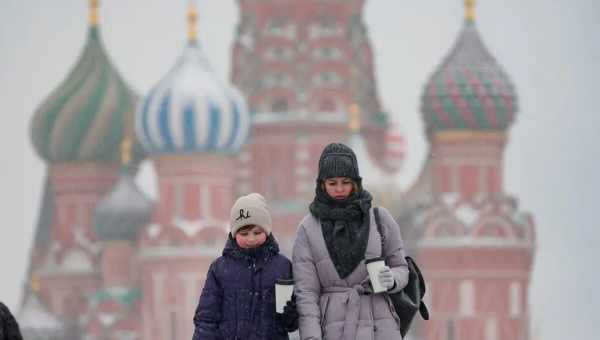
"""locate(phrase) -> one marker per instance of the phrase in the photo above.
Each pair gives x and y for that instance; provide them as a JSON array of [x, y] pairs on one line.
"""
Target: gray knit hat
[[250, 209], [338, 160]]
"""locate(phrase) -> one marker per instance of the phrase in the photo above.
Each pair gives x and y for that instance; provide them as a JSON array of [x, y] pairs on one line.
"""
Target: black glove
[[289, 319]]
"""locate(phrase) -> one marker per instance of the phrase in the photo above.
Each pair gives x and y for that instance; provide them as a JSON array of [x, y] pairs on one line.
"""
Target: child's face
[[250, 237]]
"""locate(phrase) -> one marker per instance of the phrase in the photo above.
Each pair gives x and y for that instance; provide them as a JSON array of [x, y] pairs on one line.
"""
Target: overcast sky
[[549, 48]]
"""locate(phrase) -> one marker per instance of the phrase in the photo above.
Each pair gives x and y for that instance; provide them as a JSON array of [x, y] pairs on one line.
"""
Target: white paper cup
[[283, 293], [374, 266]]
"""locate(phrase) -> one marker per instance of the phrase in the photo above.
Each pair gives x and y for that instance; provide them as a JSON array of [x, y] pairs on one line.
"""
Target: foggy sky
[[549, 48]]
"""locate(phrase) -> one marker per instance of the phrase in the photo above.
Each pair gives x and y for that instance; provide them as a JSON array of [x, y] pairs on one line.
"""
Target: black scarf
[[345, 227]]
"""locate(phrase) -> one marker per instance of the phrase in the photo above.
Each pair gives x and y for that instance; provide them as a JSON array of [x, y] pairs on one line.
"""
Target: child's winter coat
[[238, 299]]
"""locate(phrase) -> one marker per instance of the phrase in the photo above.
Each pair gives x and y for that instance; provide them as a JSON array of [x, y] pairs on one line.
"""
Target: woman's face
[[250, 237], [339, 188]]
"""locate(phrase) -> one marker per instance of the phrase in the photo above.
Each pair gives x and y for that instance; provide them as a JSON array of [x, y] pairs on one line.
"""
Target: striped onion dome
[[121, 213], [191, 111], [86, 117], [469, 90]]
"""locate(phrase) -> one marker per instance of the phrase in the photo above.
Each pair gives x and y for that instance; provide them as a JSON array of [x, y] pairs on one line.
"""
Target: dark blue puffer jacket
[[238, 298]]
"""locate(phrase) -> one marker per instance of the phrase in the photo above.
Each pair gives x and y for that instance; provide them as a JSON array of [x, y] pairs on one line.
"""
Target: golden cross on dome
[[94, 12], [126, 151], [470, 10], [192, 22]]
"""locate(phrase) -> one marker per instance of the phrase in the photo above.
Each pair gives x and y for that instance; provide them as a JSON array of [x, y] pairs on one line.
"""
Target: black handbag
[[410, 299]]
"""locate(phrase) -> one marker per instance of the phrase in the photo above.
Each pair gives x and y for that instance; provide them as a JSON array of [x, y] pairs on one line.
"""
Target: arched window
[[279, 105], [467, 298], [326, 105]]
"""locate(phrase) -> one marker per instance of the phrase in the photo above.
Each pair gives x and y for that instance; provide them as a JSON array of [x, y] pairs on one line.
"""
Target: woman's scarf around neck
[[345, 227]]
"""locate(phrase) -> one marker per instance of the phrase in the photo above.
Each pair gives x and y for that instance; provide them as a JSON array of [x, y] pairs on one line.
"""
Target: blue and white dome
[[191, 111]]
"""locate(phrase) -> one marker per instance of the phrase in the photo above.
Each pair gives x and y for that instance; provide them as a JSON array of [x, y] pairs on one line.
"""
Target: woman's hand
[[386, 278]]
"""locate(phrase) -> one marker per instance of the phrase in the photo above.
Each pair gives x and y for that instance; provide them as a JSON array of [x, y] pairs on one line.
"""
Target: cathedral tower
[[302, 64], [77, 131], [193, 126], [473, 242]]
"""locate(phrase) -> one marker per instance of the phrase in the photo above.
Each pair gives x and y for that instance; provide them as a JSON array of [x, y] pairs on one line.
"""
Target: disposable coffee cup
[[374, 266], [283, 293]]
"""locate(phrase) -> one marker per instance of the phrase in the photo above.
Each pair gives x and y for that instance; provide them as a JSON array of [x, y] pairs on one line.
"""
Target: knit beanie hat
[[338, 160], [250, 209]]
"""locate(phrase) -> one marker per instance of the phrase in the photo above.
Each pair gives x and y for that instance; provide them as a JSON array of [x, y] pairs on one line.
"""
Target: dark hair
[[9, 328], [247, 228]]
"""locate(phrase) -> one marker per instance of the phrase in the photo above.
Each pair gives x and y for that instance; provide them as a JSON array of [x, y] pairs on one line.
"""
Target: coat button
[[374, 328]]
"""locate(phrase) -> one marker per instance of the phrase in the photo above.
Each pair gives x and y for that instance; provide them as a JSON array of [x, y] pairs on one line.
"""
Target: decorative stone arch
[[326, 104], [77, 259], [280, 104], [493, 227], [444, 227]]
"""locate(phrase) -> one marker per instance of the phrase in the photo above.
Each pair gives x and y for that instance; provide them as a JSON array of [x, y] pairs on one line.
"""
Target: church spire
[[94, 13], [192, 18], [354, 121], [470, 10]]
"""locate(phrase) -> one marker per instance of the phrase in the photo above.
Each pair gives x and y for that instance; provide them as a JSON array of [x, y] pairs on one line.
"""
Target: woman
[[334, 296], [9, 328]]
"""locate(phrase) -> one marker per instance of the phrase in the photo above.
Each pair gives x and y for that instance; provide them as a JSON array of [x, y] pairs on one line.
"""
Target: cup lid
[[284, 281], [374, 259]]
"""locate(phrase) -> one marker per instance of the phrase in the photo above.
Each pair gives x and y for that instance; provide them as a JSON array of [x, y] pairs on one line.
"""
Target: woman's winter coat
[[238, 298], [332, 308]]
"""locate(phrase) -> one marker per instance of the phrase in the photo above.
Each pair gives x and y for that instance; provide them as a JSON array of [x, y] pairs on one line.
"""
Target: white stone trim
[[487, 274], [491, 329], [467, 298], [470, 241], [514, 302], [206, 203], [158, 283], [166, 252]]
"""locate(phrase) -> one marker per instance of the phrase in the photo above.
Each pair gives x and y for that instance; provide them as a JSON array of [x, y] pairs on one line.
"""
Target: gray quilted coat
[[332, 308]]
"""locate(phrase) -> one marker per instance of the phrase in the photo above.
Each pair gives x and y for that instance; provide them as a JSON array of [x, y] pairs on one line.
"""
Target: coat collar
[[268, 249]]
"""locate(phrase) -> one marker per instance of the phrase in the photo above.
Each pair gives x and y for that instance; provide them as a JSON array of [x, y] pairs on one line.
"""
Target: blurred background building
[[109, 263]]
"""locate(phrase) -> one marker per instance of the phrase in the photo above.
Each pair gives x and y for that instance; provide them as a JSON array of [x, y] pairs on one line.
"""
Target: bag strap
[[412, 265], [379, 229]]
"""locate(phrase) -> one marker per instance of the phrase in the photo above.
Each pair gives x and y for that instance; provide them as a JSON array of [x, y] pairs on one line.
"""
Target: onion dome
[[35, 321], [190, 110], [469, 90], [121, 213], [86, 116]]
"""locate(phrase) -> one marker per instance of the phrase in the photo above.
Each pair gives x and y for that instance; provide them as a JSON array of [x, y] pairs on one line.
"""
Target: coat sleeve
[[307, 288], [209, 311], [394, 250]]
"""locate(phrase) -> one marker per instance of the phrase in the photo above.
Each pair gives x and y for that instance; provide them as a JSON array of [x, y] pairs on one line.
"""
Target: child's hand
[[289, 318]]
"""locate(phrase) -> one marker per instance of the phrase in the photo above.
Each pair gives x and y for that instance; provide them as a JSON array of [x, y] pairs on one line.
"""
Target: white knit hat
[[250, 209]]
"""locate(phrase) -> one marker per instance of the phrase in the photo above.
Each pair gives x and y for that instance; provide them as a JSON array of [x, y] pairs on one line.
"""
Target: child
[[238, 299]]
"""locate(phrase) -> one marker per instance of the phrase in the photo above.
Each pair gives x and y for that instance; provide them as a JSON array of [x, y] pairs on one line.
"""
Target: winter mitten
[[386, 278], [289, 318]]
